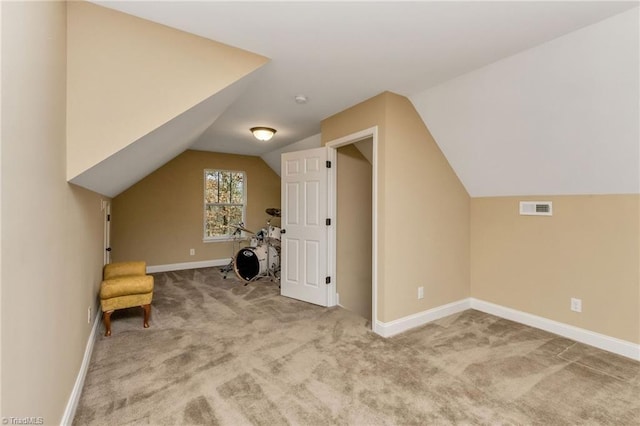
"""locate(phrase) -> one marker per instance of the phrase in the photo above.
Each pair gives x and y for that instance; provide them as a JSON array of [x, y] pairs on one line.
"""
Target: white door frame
[[371, 132], [106, 209]]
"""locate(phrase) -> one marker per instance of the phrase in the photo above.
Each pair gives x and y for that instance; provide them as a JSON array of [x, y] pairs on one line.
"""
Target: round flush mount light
[[301, 99], [263, 133]]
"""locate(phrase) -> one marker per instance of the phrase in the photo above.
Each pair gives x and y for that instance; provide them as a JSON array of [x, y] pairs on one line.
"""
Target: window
[[224, 202]]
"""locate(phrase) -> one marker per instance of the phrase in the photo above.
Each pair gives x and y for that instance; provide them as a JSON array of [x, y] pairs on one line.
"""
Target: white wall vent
[[536, 208]]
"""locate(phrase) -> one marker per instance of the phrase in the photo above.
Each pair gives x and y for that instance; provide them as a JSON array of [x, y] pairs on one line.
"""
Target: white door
[[304, 227]]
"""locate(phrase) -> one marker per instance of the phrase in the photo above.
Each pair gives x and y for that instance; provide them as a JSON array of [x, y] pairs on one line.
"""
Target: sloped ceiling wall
[[127, 166], [127, 79], [560, 118]]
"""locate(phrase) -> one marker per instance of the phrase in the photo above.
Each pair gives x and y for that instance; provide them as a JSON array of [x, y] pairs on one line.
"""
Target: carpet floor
[[221, 353]]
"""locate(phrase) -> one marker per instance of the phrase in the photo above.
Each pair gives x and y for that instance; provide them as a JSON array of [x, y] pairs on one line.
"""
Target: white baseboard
[[601, 341], [74, 398], [611, 344], [388, 329], [187, 265]]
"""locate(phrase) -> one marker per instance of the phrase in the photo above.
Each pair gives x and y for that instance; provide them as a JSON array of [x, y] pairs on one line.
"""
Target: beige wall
[[128, 76], [423, 209], [427, 217], [52, 232], [161, 217], [353, 227], [588, 249], [431, 234]]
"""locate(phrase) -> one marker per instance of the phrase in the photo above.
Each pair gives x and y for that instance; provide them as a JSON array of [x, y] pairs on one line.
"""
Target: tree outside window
[[224, 202]]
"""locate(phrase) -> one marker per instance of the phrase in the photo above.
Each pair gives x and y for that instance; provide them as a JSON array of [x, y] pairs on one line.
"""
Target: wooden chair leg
[[147, 312], [106, 318]]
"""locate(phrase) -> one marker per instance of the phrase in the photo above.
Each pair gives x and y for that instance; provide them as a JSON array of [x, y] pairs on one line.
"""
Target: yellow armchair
[[125, 285]]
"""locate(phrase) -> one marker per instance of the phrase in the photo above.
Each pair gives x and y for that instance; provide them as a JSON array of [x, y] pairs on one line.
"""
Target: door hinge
[[328, 164], [328, 222], [108, 218], [327, 280]]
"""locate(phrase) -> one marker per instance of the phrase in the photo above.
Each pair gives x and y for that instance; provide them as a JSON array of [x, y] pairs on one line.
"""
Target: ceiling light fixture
[[263, 133]]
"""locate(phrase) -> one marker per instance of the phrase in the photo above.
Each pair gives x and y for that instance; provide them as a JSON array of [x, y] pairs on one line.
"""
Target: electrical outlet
[[89, 315], [576, 304], [192, 252], [420, 292]]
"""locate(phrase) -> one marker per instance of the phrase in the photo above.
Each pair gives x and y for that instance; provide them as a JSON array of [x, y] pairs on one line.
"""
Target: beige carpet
[[218, 352]]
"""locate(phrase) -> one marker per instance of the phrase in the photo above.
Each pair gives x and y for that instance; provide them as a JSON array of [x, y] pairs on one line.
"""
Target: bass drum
[[252, 261]]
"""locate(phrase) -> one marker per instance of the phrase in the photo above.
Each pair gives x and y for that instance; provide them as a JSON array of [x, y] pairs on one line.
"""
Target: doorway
[[309, 241], [351, 278], [354, 227]]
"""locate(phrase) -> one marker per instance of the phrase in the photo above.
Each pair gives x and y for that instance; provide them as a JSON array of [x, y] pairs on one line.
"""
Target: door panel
[[292, 197], [304, 242], [291, 249], [312, 253], [312, 203]]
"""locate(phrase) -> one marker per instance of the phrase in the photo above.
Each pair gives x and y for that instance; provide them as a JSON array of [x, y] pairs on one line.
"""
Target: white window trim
[[221, 238]]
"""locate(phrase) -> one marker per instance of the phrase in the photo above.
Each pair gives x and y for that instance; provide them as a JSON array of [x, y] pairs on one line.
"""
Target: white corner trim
[[74, 398], [388, 329], [187, 265], [608, 343]]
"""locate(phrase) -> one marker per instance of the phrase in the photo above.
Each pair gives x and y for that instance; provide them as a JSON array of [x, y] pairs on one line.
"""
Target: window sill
[[226, 239], [217, 240]]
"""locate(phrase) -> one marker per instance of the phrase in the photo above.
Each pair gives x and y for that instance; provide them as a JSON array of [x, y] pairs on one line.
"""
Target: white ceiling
[[560, 118], [341, 53], [523, 98]]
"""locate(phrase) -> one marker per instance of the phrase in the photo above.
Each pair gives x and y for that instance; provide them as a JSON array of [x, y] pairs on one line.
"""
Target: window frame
[[227, 237]]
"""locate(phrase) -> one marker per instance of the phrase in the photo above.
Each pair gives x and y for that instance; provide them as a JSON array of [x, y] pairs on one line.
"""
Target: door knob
[[283, 231]]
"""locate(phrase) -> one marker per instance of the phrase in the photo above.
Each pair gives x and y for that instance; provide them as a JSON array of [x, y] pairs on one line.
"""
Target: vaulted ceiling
[[470, 68]]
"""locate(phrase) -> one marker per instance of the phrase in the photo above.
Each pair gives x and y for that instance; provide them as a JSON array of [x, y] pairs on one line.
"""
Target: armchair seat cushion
[[123, 302], [126, 286]]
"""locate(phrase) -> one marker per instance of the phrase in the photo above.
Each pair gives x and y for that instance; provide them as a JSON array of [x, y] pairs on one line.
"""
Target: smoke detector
[[301, 99]]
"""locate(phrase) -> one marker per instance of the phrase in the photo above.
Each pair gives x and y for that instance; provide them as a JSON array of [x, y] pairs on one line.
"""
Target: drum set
[[261, 259]]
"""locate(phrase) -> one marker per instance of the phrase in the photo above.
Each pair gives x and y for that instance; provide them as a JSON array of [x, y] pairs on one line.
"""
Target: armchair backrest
[[121, 269]]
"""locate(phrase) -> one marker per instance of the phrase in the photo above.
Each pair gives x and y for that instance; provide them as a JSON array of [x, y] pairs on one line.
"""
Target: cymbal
[[273, 212], [242, 228]]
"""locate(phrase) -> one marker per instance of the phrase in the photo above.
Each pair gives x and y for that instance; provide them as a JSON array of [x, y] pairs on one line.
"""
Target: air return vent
[[536, 208]]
